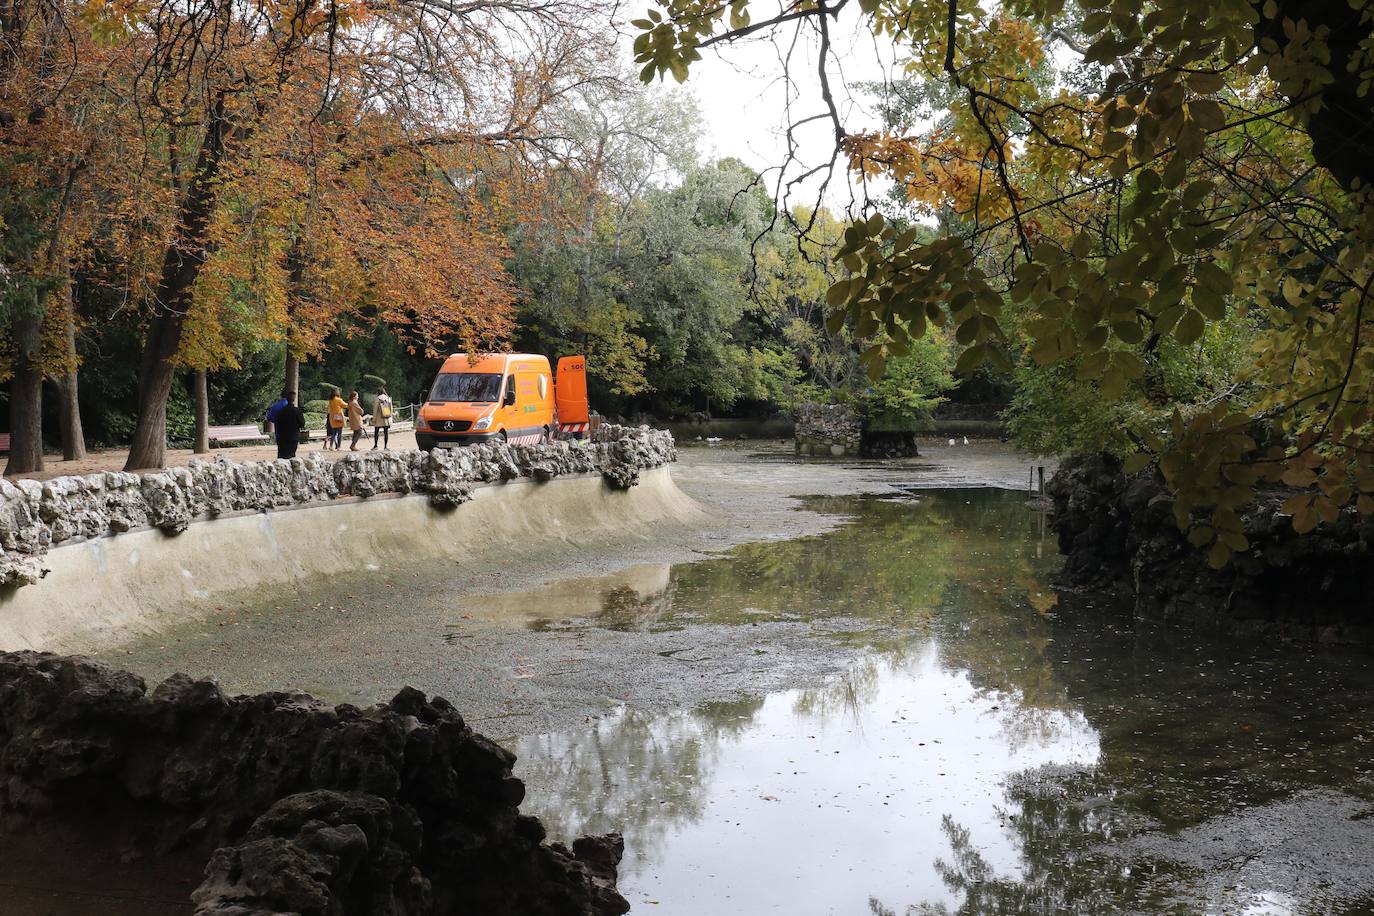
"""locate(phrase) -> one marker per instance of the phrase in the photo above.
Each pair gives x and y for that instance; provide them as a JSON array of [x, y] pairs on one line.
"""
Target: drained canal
[[892, 717]]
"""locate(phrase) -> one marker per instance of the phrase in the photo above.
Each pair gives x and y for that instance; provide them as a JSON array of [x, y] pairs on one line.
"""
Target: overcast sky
[[744, 98]]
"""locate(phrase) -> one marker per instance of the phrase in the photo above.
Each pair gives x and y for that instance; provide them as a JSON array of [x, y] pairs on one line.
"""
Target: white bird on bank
[[951, 443], [966, 440]]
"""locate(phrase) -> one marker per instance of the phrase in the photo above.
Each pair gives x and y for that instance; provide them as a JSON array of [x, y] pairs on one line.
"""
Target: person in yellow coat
[[338, 412]]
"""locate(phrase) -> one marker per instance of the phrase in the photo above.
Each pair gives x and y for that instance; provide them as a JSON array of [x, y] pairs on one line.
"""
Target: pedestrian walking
[[270, 419], [381, 419], [338, 413], [288, 422], [355, 420]]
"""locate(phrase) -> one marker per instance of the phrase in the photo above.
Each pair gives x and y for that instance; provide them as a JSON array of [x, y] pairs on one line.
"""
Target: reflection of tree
[[846, 696], [1063, 870], [625, 608], [957, 559], [636, 773], [1189, 727]]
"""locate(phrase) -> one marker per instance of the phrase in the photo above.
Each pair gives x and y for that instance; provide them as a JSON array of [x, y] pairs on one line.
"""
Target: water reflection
[[819, 796], [989, 755]]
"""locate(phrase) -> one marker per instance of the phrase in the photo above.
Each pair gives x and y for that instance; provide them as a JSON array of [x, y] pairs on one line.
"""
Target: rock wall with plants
[[38, 515], [827, 430], [1119, 538]]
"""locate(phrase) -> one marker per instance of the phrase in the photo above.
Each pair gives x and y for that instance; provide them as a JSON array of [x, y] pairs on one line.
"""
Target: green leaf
[[1205, 83], [1210, 303], [970, 359], [1128, 331], [1112, 384], [1120, 165], [1196, 192], [1136, 463], [1190, 327], [1201, 536], [1096, 22]]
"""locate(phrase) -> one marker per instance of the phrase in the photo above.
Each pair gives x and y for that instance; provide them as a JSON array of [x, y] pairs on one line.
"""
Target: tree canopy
[[1130, 197]]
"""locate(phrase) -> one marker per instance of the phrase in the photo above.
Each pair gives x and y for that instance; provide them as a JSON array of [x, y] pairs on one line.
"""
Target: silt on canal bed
[[895, 717]]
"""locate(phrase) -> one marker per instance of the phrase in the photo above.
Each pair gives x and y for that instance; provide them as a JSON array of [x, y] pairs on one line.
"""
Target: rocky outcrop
[[35, 516], [299, 806], [1118, 536], [827, 430]]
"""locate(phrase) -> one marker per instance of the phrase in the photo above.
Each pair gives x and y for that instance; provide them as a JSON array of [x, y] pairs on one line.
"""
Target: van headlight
[[420, 422], [484, 423]]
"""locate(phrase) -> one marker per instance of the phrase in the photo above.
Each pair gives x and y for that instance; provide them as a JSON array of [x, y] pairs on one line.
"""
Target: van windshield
[[466, 386]]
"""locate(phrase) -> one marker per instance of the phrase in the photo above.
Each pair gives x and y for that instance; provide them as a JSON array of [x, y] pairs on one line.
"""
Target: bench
[[248, 432], [4, 442]]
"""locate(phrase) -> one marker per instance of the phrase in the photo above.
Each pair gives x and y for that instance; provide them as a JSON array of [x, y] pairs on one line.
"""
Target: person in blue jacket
[[287, 421], [275, 409]]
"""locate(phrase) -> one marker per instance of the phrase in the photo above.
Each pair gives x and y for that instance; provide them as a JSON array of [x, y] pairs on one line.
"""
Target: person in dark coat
[[288, 423], [275, 409]]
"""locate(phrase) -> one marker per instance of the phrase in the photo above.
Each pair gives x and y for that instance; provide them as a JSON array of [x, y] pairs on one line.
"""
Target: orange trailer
[[499, 396]]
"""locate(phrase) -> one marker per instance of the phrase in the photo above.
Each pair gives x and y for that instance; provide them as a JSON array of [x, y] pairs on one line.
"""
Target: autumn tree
[[322, 118], [54, 106], [1207, 163]]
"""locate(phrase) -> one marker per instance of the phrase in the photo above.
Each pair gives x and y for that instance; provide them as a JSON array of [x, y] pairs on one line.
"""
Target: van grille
[[450, 426]]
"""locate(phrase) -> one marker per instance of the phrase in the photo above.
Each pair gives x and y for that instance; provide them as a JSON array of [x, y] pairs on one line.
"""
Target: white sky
[[744, 98]]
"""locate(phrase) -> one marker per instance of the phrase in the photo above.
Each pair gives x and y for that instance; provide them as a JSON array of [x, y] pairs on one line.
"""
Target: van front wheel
[[502, 435]]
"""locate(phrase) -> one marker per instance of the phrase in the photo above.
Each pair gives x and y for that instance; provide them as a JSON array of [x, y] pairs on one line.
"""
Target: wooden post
[[1041, 471]]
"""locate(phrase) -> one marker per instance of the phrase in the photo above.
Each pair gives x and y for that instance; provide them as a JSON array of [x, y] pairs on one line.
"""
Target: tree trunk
[[68, 393], [26, 399], [295, 291], [148, 449], [202, 413], [180, 266], [69, 409]]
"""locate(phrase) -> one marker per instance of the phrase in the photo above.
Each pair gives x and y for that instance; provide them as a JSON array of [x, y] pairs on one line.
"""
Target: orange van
[[505, 396]]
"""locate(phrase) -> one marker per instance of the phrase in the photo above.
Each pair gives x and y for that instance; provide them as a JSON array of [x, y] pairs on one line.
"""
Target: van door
[[570, 395]]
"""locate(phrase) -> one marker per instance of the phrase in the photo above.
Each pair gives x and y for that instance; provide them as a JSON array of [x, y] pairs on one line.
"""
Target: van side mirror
[[509, 400]]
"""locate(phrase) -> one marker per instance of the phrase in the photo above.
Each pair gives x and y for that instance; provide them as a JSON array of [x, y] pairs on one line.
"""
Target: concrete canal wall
[[90, 561]]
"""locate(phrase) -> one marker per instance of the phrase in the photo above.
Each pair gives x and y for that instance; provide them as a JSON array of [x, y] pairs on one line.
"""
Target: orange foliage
[[938, 170]]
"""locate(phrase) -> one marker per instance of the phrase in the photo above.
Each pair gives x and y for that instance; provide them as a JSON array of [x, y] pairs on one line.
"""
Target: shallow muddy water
[[982, 751], [893, 717]]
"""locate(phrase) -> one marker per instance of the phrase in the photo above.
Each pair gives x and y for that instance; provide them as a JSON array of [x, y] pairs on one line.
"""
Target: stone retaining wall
[[38, 515], [1120, 541], [827, 431]]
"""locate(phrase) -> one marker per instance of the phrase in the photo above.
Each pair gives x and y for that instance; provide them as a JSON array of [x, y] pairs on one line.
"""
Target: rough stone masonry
[[299, 806], [35, 516]]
